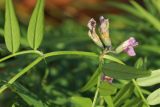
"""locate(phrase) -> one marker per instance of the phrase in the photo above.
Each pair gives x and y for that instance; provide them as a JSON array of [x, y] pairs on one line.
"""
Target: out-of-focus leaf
[[81, 101], [93, 80], [119, 71], [124, 93], [30, 98], [106, 89], [154, 97], [139, 63], [109, 101], [153, 79], [150, 48], [146, 15], [156, 4], [150, 7], [36, 25], [11, 31], [126, 8]]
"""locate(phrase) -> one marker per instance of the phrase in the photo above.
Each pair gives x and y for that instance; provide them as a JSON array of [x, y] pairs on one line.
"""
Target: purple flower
[[128, 46]]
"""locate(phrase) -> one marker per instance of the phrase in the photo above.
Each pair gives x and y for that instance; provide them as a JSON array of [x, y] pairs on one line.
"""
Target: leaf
[[125, 7], [113, 59], [119, 71], [135, 102], [81, 101], [153, 79], [154, 97], [109, 101], [146, 15], [93, 80], [30, 98], [36, 25], [106, 89], [123, 94], [11, 30], [139, 63]]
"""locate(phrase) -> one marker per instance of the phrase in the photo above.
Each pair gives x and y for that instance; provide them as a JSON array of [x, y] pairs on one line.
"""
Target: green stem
[[81, 53], [140, 93], [12, 80], [21, 53], [97, 91]]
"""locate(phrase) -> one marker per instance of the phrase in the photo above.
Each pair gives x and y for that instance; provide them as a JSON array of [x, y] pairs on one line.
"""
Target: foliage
[[58, 81]]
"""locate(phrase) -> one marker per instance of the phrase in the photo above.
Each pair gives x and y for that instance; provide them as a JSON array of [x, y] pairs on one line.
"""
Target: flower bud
[[104, 30], [92, 33]]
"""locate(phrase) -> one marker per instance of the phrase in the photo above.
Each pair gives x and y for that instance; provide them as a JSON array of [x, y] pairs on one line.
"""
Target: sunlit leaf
[[153, 79], [119, 71], [11, 31], [81, 101], [36, 25], [154, 97]]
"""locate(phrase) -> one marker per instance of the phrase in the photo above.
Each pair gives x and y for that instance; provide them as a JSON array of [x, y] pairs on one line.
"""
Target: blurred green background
[[66, 29]]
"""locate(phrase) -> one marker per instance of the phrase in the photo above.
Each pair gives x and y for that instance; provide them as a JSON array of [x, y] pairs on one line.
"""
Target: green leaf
[[139, 63], [123, 94], [153, 79], [119, 71], [154, 97], [93, 80], [30, 98], [135, 102], [146, 15], [36, 25], [11, 30], [109, 101], [125, 7], [106, 89], [113, 59], [81, 101]]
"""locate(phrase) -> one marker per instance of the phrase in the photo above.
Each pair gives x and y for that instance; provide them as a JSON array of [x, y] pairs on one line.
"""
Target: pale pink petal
[[130, 51]]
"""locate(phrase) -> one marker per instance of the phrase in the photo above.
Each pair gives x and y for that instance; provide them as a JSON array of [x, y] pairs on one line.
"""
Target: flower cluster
[[104, 41]]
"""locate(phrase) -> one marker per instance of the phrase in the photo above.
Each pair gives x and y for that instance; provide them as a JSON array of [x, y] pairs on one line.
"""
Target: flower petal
[[130, 51]]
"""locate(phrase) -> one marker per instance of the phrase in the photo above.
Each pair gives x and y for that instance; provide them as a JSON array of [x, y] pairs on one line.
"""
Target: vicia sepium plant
[[107, 93]]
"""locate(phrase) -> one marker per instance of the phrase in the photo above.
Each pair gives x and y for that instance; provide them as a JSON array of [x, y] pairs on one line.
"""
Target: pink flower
[[128, 46]]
